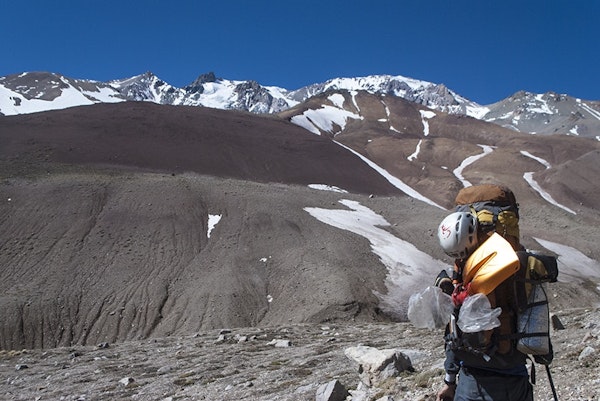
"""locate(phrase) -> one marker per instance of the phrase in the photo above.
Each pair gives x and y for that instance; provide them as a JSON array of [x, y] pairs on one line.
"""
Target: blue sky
[[482, 49]]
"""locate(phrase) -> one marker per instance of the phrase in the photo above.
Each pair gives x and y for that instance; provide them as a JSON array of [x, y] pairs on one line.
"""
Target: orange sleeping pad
[[490, 264]]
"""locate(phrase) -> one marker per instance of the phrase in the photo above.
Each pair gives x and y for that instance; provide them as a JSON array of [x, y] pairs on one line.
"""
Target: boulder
[[377, 365], [332, 391]]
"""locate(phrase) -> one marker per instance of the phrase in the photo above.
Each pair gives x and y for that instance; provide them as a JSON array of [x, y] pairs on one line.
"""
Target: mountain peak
[[537, 113], [204, 78], [197, 86]]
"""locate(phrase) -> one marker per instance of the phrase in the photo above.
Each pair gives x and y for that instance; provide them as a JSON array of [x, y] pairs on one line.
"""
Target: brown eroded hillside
[[107, 213]]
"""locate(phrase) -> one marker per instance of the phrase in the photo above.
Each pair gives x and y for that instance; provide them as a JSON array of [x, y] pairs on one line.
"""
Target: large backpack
[[511, 278], [496, 209]]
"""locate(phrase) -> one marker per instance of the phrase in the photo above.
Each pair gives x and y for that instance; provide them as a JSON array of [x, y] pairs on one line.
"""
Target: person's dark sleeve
[[451, 366]]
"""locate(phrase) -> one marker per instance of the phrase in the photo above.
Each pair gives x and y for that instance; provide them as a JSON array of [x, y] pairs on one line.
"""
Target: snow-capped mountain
[[548, 113], [434, 96], [41, 91], [208, 91], [33, 92], [18, 93]]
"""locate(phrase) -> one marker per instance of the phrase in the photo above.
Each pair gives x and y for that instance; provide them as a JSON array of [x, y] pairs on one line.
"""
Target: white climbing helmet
[[457, 234]]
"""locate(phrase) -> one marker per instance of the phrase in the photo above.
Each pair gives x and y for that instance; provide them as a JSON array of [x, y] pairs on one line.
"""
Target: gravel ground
[[245, 364]]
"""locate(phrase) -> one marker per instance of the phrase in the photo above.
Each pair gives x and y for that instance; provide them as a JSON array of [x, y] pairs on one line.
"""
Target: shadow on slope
[[176, 139]]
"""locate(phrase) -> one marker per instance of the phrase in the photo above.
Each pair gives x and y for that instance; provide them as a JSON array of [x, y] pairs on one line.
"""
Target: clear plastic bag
[[476, 314], [430, 309]]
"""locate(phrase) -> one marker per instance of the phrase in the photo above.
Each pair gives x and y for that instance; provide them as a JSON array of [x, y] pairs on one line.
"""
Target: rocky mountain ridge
[[535, 113], [548, 113]]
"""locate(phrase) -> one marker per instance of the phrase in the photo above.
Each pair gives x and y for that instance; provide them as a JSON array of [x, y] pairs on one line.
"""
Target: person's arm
[[451, 366]]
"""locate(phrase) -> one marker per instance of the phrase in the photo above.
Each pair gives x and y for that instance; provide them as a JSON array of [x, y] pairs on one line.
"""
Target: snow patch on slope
[[372, 83], [393, 180], [213, 220], [323, 187], [468, 161], [477, 112], [416, 152], [387, 119], [305, 122], [587, 108], [572, 263], [337, 99], [425, 115], [353, 94], [326, 118], [536, 187], [12, 103], [409, 269]]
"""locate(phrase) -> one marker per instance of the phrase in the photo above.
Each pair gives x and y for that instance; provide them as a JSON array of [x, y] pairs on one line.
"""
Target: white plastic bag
[[476, 314], [430, 309]]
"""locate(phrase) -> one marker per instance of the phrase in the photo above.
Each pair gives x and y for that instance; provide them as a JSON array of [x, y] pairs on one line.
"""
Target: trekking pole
[[551, 383]]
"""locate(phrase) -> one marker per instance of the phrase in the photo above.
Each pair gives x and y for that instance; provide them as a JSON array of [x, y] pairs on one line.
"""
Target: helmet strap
[[457, 273]]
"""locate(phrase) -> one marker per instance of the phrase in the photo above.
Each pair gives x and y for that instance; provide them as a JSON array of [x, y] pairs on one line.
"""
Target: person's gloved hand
[[444, 282]]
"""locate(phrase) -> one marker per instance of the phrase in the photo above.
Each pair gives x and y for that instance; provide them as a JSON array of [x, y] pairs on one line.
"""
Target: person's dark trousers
[[474, 386]]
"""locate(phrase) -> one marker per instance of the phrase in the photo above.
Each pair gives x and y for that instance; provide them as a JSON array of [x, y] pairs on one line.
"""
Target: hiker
[[483, 365]]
